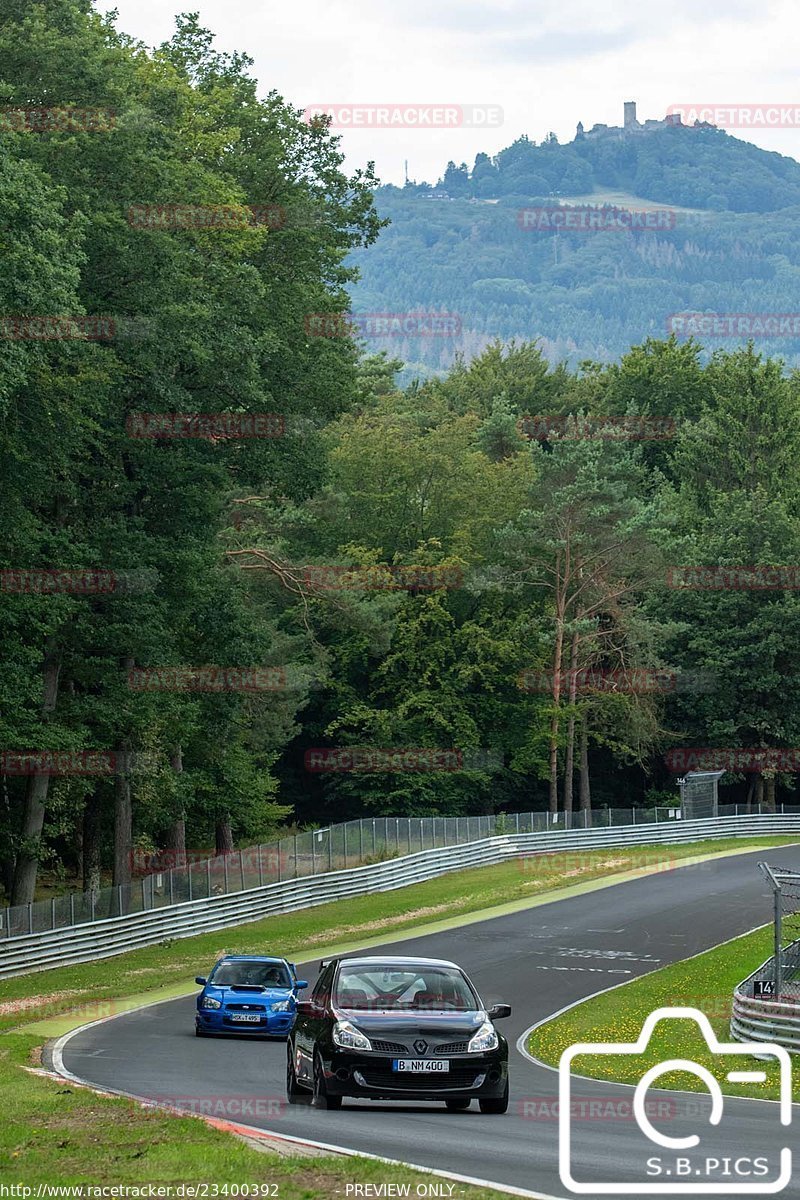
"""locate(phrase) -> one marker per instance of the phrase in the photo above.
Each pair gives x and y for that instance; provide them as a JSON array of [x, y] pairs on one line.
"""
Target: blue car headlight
[[282, 1006], [210, 1002]]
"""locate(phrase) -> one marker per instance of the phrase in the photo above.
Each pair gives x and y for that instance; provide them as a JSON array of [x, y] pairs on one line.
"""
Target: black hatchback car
[[397, 1029]]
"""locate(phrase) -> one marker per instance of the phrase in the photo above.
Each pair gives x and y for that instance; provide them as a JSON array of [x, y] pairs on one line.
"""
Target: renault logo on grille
[[420, 1046]]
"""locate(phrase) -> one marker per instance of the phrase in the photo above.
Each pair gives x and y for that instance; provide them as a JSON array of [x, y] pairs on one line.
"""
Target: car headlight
[[350, 1038], [210, 1002], [282, 1006], [485, 1039]]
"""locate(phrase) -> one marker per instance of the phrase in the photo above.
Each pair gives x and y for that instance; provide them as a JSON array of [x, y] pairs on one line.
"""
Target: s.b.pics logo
[[697, 1156]]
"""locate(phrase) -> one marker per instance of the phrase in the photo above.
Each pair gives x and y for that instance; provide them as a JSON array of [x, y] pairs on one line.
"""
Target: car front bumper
[[473, 1076], [219, 1021]]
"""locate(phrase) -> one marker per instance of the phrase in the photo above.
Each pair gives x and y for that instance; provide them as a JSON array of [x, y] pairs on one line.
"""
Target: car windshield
[[406, 989], [252, 974]]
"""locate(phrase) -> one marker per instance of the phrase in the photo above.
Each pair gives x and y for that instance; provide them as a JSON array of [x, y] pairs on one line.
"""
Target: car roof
[[251, 958], [398, 961]]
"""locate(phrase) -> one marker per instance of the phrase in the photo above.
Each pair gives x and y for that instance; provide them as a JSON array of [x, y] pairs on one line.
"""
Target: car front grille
[[388, 1047], [459, 1077], [246, 1008], [451, 1048]]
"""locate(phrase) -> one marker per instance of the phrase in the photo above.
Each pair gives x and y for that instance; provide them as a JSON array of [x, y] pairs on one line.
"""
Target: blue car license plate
[[246, 1018], [433, 1066]]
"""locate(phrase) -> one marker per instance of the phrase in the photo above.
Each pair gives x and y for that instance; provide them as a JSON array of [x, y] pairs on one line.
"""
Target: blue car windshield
[[251, 974]]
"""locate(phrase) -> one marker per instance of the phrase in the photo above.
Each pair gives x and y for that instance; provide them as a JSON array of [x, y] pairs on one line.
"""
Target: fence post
[[93, 894], [224, 870], [361, 839], [30, 918], [344, 835], [71, 908], [295, 857], [208, 880], [144, 895], [397, 833], [633, 815], [119, 899], [313, 852], [261, 865], [330, 848], [52, 912], [408, 820], [189, 875], [374, 838]]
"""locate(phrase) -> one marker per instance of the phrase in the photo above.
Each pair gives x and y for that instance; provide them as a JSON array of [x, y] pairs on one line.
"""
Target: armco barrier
[[115, 935], [771, 1019]]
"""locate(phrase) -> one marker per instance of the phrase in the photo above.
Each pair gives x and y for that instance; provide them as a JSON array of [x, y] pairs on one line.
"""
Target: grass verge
[[705, 983], [54, 1131]]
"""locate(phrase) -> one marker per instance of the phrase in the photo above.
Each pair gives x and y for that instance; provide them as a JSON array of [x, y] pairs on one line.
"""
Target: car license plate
[[250, 1018], [423, 1065]]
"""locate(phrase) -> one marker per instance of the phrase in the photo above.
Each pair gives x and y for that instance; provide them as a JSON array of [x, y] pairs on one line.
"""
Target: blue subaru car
[[248, 993]]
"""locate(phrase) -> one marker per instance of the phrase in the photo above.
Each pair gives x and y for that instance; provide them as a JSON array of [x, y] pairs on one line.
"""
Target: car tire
[[457, 1105], [294, 1093], [321, 1097], [495, 1104]]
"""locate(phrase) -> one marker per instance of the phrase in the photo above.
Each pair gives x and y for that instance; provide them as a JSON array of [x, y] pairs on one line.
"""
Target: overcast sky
[[545, 65]]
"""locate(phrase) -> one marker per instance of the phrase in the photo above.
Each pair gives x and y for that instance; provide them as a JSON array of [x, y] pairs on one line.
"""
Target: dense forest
[[726, 245], [387, 568]]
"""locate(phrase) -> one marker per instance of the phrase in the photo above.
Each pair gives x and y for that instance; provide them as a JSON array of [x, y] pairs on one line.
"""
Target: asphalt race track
[[539, 961]]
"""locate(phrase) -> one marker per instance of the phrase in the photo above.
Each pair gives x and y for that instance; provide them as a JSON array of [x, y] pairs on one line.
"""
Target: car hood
[[243, 994], [433, 1024]]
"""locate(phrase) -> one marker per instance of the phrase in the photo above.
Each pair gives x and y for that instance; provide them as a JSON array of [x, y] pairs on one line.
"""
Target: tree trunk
[[176, 834], [759, 792], [123, 829], [751, 793], [769, 793], [569, 757], [554, 720], [91, 843], [585, 789], [224, 835], [36, 793]]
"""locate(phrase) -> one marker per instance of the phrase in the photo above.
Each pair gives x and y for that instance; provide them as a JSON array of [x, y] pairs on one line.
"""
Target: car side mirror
[[199, 979], [300, 984], [498, 1011], [306, 1009]]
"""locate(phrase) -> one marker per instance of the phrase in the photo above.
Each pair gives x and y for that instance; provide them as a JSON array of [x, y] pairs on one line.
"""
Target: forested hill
[[692, 167], [724, 242]]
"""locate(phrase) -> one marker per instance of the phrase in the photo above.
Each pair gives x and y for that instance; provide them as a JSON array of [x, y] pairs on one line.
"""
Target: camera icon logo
[[677, 1171]]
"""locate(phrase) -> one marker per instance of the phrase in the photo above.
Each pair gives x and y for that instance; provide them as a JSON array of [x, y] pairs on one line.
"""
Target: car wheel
[[321, 1097], [294, 1092], [495, 1105], [456, 1105]]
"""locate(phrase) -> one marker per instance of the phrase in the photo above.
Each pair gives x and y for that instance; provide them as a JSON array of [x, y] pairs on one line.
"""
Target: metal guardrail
[[768, 1019], [115, 935], [167, 878]]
